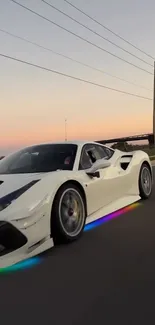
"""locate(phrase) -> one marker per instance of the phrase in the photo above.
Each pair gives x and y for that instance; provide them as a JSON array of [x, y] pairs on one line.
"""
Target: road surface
[[107, 277]]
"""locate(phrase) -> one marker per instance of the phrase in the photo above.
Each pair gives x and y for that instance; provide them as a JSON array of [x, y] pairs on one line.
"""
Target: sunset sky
[[35, 103]]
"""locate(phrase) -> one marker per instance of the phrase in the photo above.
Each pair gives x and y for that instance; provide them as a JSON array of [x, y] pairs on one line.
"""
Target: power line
[[94, 32], [71, 59], [80, 37], [110, 30], [72, 77]]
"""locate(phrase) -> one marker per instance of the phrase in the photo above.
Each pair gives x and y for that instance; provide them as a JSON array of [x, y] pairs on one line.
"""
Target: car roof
[[76, 142]]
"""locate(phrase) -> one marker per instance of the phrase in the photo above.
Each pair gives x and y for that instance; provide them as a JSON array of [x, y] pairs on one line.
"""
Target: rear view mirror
[[99, 164]]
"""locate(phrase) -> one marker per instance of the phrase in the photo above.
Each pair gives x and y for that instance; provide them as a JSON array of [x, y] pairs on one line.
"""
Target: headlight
[[6, 200]]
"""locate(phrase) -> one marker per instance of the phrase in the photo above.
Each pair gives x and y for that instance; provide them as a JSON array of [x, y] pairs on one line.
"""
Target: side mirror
[[99, 164]]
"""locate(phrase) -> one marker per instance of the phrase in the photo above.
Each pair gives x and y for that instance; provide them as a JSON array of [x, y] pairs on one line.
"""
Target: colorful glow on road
[[111, 216], [26, 264]]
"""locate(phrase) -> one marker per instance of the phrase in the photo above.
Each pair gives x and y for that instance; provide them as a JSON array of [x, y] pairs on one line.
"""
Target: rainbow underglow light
[[111, 216], [26, 264]]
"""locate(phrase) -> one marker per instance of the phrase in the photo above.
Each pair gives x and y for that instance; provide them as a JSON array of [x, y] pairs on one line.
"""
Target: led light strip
[[111, 216], [26, 264]]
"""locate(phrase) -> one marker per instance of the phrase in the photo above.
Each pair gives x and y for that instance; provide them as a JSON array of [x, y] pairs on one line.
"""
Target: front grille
[[10, 238]]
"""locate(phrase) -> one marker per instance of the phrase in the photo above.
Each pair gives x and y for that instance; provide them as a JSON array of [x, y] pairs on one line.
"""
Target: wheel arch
[[80, 187], [145, 162], [142, 192]]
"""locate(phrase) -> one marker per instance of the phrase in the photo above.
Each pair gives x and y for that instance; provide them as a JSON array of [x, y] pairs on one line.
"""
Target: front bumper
[[18, 244], [11, 238]]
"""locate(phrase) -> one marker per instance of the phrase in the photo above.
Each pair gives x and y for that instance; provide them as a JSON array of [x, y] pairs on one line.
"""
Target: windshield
[[40, 159]]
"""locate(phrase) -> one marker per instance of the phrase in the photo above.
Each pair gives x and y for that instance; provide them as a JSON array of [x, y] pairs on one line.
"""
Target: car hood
[[26, 200], [12, 182]]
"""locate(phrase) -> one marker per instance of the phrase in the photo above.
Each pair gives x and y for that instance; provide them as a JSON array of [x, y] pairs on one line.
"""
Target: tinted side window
[[85, 160], [91, 153], [104, 152], [110, 152]]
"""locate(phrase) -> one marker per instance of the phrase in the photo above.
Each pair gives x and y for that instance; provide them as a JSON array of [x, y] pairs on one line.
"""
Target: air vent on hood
[[1, 182]]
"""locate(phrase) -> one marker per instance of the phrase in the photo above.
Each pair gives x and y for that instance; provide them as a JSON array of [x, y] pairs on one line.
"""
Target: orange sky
[[17, 137]]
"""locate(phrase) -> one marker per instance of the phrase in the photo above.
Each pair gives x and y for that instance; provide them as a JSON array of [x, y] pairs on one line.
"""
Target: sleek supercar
[[48, 192]]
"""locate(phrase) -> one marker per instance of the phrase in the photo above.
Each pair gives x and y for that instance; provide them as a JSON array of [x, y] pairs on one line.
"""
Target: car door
[[111, 174], [122, 164], [115, 174], [99, 190]]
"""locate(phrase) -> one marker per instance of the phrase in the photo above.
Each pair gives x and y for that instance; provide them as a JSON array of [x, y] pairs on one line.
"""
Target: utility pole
[[65, 129], [154, 105]]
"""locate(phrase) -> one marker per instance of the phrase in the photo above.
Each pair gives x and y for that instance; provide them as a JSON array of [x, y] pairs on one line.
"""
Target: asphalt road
[[107, 277]]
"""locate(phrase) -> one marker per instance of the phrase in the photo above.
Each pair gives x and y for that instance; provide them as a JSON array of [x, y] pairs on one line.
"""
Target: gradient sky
[[34, 103]]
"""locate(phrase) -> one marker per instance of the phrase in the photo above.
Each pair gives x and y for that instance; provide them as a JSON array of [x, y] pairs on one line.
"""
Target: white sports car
[[48, 192]]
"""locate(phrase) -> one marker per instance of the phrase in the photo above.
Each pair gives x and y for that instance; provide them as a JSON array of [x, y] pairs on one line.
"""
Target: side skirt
[[112, 207]]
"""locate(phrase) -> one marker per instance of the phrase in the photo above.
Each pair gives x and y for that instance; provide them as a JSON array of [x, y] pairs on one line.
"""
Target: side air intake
[[125, 161]]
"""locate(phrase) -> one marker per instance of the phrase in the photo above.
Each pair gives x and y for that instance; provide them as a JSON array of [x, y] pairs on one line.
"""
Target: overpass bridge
[[149, 137]]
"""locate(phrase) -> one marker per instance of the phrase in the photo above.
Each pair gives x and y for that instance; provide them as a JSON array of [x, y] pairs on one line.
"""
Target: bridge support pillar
[[154, 107]]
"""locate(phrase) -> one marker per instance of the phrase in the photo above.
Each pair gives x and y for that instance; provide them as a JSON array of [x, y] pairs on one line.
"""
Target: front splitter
[[23, 254]]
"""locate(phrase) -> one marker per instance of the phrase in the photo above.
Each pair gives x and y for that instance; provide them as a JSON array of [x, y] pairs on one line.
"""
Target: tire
[[68, 216], [145, 182]]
